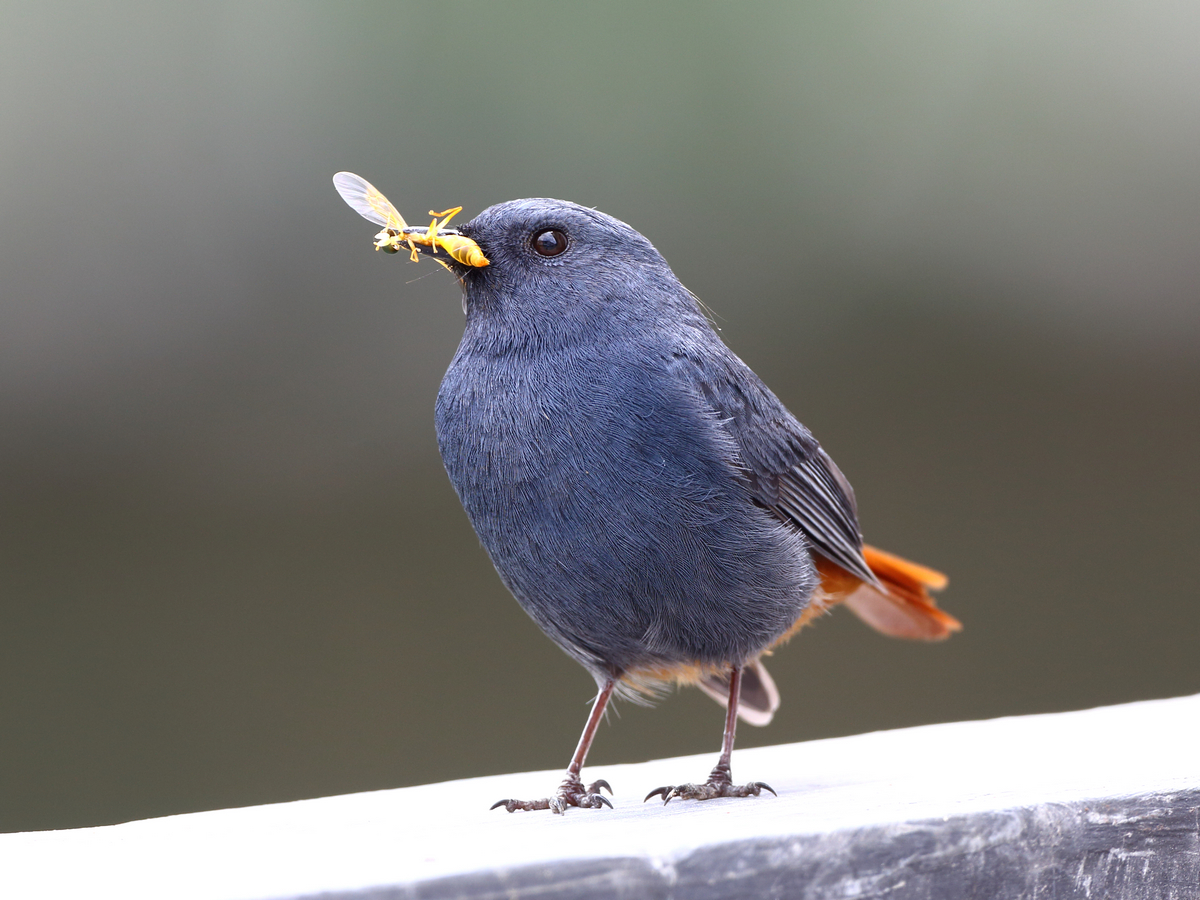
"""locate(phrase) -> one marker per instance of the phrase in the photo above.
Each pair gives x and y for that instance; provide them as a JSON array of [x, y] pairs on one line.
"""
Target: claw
[[764, 786], [664, 792], [595, 786]]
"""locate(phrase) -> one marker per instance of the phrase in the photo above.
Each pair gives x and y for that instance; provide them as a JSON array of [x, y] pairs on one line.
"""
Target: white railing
[[1100, 803]]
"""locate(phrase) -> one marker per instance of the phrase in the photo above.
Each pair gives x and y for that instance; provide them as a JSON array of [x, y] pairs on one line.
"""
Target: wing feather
[[820, 501], [788, 471]]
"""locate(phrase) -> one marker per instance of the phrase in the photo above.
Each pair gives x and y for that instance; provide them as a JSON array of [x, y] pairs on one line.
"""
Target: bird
[[644, 496]]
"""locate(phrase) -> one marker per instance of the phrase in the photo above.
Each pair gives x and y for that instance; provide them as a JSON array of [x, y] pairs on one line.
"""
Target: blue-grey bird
[[645, 497]]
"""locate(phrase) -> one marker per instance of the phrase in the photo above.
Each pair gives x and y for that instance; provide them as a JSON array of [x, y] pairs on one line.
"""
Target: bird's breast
[[611, 501], [582, 450]]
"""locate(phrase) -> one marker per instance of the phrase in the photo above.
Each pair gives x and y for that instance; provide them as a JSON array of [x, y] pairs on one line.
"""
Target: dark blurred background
[[959, 241]]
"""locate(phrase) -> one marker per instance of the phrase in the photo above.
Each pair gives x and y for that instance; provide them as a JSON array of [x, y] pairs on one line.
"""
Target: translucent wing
[[366, 200]]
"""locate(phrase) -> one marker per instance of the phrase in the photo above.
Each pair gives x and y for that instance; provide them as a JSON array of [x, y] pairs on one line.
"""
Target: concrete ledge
[[1102, 803]]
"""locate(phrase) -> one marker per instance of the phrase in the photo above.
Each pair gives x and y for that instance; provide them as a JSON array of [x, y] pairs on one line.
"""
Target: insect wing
[[366, 200]]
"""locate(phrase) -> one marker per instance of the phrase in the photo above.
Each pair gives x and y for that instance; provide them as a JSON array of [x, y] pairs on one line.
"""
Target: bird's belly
[[630, 539]]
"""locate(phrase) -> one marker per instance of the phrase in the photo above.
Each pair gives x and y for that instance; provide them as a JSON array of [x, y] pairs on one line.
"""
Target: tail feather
[[904, 607], [758, 698]]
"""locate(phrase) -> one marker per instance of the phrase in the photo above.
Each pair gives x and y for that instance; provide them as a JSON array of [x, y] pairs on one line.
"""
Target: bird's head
[[555, 261]]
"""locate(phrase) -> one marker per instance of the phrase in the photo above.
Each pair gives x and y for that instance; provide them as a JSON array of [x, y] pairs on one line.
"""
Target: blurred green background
[[959, 241]]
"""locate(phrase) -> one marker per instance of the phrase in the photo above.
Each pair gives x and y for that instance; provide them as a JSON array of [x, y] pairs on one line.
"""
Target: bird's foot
[[719, 784], [570, 793]]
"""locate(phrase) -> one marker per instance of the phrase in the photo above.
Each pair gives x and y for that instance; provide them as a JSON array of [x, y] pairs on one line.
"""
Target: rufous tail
[[904, 608]]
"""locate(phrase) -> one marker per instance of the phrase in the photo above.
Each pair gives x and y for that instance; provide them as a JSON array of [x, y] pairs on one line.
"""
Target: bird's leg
[[572, 792], [720, 781]]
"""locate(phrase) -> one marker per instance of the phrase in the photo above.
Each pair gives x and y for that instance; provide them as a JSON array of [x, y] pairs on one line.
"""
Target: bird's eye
[[549, 243]]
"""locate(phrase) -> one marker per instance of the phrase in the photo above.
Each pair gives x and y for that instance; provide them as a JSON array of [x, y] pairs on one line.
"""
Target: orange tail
[[904, 608]]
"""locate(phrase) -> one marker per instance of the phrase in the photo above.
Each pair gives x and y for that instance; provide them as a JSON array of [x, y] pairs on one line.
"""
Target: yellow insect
[[368, 201]]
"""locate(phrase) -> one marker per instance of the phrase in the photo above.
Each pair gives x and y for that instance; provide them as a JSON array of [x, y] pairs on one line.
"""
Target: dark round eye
[[549, 243]]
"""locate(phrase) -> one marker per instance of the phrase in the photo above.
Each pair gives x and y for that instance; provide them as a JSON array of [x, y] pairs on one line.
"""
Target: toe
[[514, 805]]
